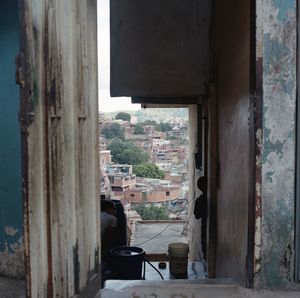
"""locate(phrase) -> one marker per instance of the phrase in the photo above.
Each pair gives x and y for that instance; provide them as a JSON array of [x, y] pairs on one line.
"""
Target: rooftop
[[155, 236]]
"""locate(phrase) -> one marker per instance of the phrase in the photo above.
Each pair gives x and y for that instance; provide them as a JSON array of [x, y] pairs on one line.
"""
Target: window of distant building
[[167, 193], [132, 195]]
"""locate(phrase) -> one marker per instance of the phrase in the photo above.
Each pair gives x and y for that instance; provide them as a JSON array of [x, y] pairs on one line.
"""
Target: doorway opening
[[147, 165], [147, 162]]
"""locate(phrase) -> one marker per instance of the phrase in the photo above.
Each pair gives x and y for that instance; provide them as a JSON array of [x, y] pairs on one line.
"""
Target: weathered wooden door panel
[[59, 114]]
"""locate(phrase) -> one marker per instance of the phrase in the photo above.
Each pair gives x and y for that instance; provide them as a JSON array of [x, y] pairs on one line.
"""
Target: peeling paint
[[275, 164], [59, 116], [12, 258], [284, 7], [257, 247], [258, 189], [287, 265], [11, 231]]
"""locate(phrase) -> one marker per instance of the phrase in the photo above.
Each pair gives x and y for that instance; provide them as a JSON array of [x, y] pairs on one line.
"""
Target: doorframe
[[297, 199], [255, 124]]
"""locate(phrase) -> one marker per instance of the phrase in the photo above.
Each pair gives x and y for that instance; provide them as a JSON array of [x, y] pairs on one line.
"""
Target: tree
[[127, 153], [150, 122], [123, 116], [138, 129], [149, 170], [153, 123], [113, 131], [165, 126], [152, 212]]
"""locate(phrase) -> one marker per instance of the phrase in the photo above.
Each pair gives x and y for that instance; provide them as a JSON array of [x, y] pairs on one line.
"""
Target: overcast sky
[[106, 103]]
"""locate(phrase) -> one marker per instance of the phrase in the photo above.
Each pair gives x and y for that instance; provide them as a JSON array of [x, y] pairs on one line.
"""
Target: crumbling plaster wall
[[11, 225], [275, 192]]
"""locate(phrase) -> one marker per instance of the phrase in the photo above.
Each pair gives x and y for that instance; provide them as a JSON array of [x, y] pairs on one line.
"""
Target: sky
[[106, 103]]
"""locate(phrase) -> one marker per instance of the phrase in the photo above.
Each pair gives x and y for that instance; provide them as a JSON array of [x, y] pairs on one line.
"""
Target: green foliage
[[139, 130], [127, 153], [152, 212], [165, 126], [149, 170], [123, 116], [150, 122], [171, 138], [113, 131], [159, 115], [162, 126]]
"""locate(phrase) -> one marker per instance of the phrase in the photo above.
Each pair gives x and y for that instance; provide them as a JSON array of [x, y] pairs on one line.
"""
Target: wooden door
[[59, 120]]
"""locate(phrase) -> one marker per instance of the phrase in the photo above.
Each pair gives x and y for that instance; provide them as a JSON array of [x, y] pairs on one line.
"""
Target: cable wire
[[154, 236], [145, 260]]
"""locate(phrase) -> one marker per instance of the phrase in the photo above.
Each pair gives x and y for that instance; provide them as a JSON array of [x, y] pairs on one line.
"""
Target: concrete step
[[170, 288], [209, 288]]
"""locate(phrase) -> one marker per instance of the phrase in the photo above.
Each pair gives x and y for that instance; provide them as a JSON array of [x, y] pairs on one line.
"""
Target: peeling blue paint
[[269, 175], [270, 147], [274, 53], [278, 151], [284, 6]]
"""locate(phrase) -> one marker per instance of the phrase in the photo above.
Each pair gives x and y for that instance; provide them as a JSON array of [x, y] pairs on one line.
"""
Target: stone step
[[171, 288], [208, 288]]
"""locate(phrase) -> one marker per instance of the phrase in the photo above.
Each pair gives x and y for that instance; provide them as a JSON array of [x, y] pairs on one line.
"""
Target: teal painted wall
[[11, 215], [275, 207]]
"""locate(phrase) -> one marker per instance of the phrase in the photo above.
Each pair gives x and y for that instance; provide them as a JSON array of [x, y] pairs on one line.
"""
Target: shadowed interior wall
[[232, 46], [11, 217]]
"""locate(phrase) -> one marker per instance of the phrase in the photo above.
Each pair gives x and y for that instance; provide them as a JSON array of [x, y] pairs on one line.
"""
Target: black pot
[[127, 262]]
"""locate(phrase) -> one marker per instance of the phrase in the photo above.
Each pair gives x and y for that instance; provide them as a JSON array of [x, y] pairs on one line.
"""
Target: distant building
[[152, 194], [133, 120], [141, 141], [105, 157], [175, 178], [164, 166], [149, 129], [158, 141], [121, 179], [128, 129], [104, 120], [102, 143]]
